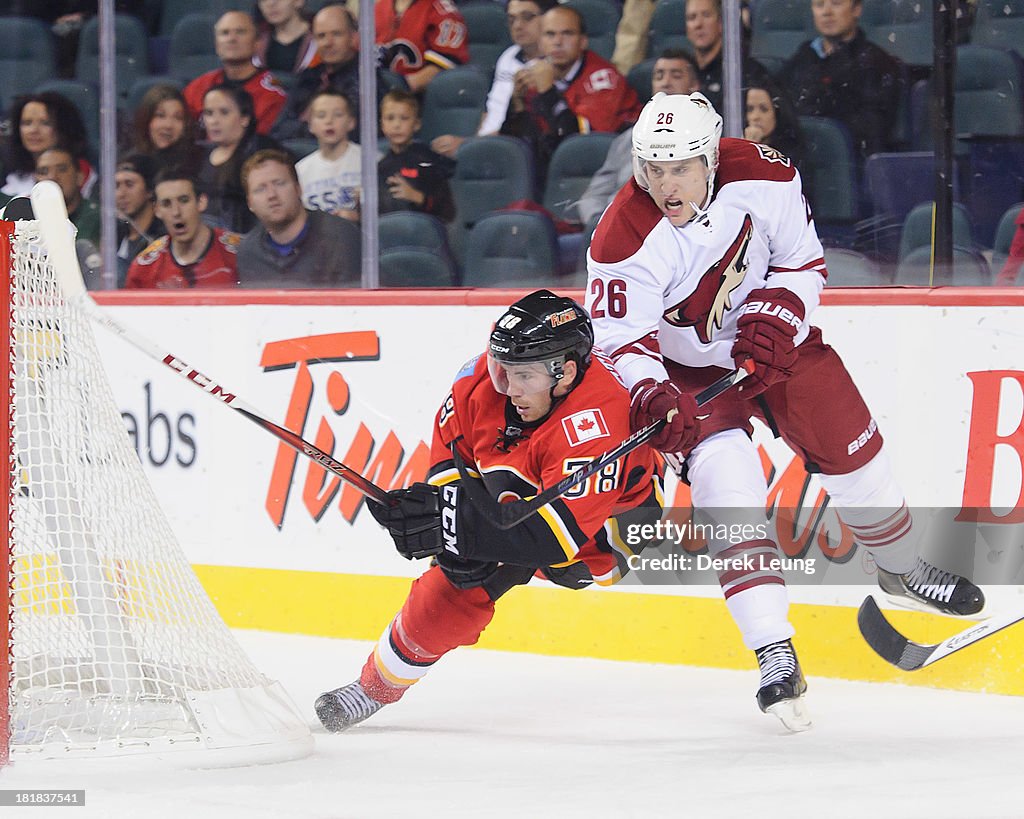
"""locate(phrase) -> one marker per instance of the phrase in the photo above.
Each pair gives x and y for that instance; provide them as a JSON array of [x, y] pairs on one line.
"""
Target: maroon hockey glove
[[769, 321], [651, 401]]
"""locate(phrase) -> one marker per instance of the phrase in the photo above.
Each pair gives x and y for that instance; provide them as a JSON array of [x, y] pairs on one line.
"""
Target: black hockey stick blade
[[507, 515], [904, 653]]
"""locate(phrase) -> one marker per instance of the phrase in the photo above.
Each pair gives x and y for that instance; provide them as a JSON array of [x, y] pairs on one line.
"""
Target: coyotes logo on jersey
[[705, 308]]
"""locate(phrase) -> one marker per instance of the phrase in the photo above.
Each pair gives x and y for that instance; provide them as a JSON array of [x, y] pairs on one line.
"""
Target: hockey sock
[[755, 592], [870, 502]]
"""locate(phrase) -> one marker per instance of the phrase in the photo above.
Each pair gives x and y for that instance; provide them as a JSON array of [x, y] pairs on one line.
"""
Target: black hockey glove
[[422, 522], [465, 573]]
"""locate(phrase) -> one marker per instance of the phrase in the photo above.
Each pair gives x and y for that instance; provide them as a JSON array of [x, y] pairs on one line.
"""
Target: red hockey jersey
[[589, 522], [429, 32], [157, 267]]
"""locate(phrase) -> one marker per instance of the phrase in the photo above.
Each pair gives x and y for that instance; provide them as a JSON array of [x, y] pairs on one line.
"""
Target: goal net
[[113, 647]]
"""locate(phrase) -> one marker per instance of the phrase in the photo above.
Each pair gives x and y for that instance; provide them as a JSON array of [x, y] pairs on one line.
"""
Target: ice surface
[[491, 734]]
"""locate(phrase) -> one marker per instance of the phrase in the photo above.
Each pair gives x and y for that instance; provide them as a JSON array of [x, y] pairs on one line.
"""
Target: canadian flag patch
[[584, 426]]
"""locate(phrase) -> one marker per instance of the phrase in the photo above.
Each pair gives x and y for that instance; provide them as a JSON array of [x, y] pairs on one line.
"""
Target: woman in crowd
[[770, 119], [231, 129], [164, 130], [40, 122]]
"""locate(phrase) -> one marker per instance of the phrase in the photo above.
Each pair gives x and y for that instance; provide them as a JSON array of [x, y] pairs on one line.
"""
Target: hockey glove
[[422, 521], [651, 401], [769, 320], [465, 573]]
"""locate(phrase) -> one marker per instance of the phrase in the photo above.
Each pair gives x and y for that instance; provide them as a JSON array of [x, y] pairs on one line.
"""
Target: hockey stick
[[507, 515], [904, 653], [48, 204]]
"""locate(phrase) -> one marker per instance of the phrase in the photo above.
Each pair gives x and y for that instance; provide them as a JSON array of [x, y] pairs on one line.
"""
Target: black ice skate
[[929, 588], [346, 706], [782, 685]]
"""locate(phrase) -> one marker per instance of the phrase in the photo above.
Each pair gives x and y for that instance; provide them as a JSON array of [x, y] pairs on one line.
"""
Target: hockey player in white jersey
[[708, 259]]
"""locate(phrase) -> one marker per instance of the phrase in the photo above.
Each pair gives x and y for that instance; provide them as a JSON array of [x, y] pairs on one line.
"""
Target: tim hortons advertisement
[[363, 383]]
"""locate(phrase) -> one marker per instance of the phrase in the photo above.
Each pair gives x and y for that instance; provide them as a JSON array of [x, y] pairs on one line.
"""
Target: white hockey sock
[[762, 614], [872, 504]]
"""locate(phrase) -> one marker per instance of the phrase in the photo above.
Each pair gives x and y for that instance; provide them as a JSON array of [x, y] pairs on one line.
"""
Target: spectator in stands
[[62, 166], [330, 176], [675, 72], [137, 224], [769, 119], [292, 246], [285, 42], [570, 89], [66, 19], [235, 39], [524, 18], [410, 176], [192, 254], [418, 39], [231, 127], [1015, 260], [704, 30], [840, 75], [39, 122], [164, 130], [631, 34], [337, 39]]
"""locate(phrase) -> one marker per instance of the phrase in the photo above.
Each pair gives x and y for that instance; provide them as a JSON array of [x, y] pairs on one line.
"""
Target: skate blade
[[913, 604], [793, 714]]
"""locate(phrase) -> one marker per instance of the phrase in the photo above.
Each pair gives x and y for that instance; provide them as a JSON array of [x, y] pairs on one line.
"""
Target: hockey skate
[[929, 588], [782, 686], [344, 707]]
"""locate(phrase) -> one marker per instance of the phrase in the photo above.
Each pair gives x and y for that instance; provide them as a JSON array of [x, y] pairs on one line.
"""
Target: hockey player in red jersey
[[709, 259], [539, 405]]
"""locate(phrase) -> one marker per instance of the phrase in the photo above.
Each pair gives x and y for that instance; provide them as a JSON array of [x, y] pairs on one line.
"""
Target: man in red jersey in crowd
[[537, 406], [192, 254], [235, 40], [418, 39]]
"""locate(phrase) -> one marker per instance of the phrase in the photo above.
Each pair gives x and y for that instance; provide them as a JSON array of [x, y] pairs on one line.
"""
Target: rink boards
[[282, 547]]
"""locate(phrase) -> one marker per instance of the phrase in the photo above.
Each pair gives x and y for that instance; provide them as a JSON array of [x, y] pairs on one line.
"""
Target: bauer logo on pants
[[584, 426]]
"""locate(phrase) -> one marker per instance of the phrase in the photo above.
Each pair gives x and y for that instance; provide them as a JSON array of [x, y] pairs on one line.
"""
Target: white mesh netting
[[116, 647]]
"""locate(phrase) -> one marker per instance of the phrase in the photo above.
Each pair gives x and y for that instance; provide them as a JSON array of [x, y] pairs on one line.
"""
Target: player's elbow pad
[[530, 543]]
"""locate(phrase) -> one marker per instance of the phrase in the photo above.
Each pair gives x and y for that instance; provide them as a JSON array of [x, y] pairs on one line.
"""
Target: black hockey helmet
[[546, 329]]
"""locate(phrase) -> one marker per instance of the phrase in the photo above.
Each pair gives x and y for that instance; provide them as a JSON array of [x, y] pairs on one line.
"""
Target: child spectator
[[164, 130], [330, 176], [410, 175], [192, 254], [231, 127]]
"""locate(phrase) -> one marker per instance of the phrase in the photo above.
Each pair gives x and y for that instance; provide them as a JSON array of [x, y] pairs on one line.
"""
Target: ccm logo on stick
[[767, 308], [203, 381]]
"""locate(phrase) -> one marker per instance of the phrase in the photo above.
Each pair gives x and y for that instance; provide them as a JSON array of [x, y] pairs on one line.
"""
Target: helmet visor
[[521, 379]]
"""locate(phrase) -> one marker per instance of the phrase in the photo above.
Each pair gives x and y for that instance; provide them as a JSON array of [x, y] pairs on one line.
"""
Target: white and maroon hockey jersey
[[655, 290]]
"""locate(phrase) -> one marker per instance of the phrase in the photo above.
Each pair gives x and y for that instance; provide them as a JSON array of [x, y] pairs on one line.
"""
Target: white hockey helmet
[[673, 127]]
